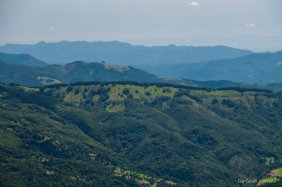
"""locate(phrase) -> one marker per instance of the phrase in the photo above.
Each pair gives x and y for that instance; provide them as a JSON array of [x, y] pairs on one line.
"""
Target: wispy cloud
[[52, 28], [194, 4], [250, 25]]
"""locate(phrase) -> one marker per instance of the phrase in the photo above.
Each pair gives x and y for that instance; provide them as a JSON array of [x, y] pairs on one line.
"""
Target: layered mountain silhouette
[[32, 72], [178, 62], [257, 68], [73, 72], [22, 59], [123, 53]]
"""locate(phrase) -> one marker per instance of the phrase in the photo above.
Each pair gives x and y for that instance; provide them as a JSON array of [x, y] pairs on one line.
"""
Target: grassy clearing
[[118, 93], [48, 80], [9, 139], [274, 176], [267, 180], [277, 172], [141, 178], [27, 89], [269, 161], [73, 98], [215, 92], [114, 108]]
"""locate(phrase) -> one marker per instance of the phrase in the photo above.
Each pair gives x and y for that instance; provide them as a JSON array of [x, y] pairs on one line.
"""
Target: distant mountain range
[[29, 71], [22, 59], [173, 62], [257, 68], [123, 53]]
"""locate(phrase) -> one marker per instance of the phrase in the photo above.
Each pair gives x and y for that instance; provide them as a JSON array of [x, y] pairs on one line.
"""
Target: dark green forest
[[133, 134]]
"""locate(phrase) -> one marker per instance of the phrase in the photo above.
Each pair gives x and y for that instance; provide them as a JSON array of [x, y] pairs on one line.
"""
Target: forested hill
[[125, 134], [22, 59], [78, 71]]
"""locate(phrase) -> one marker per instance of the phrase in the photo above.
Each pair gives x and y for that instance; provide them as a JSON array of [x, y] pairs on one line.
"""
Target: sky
[[247, 24]]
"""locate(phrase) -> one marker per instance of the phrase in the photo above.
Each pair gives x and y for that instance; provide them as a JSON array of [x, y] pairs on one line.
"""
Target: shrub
[[228, 103], [76, 92], [214, 101], [69, 89], [125, 91]]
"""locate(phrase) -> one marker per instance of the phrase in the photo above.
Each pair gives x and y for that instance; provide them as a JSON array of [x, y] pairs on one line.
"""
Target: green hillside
[[73, 72], [129, 134], [22, 59]]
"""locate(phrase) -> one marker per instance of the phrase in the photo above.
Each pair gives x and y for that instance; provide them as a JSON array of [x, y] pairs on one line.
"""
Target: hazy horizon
[[130, 43], [253, 25]]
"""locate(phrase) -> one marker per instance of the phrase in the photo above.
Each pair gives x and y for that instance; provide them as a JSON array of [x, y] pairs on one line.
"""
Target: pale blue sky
[[249, 24]]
